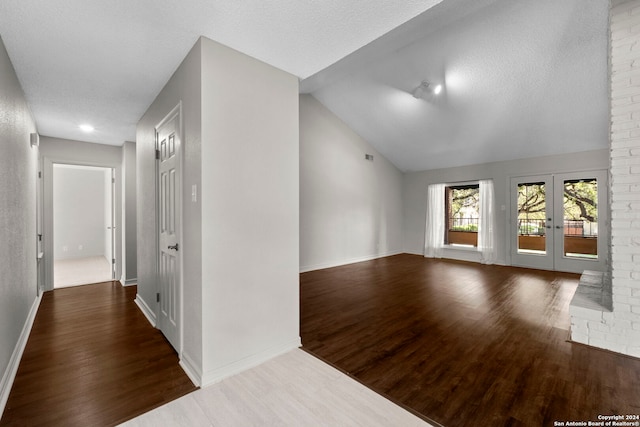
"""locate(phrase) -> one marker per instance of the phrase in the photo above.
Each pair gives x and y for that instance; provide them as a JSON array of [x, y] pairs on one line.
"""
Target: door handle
[[174, 247]]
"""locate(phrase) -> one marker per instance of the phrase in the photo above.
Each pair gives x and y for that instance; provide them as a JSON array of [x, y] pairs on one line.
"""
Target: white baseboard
[[12, 368], [148, 313], [320, 266], [190, 368], [217, 375], [450, 254], [130, 282]]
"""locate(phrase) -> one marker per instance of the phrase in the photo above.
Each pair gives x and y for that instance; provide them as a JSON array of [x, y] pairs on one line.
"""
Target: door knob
[[174, 247]]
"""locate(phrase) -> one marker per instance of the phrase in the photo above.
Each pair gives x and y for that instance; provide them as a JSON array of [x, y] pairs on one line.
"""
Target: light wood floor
[[463, 343], [92, 359], [80, 271], [294, 389]]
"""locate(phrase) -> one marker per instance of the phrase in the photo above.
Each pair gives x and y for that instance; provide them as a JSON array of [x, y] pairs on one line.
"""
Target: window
[[460, 215], [462, 211]]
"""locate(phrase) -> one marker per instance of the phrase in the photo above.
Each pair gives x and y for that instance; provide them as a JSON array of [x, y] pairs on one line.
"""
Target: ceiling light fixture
[[86, 128], [426, 88]]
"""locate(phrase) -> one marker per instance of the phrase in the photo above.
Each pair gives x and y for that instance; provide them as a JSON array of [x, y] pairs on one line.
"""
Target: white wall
[[350, 208], [184, 86], [18, 171], [55, 150], [415, 194], [240, 237], [79, 212], [250, 205]]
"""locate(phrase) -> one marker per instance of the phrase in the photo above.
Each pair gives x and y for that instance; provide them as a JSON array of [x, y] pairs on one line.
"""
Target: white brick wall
[[620, 330]]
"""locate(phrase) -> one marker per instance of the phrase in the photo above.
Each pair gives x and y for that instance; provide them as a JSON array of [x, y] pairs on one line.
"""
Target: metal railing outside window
[[537, 227], [463, 224]]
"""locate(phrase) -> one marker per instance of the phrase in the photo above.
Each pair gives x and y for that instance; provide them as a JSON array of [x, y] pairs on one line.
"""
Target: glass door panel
[[580, 215], [532, 208], [532, 216]]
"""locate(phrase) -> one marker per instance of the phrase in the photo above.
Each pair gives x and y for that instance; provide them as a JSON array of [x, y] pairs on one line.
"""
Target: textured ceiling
[[522, 79], [103, 62]]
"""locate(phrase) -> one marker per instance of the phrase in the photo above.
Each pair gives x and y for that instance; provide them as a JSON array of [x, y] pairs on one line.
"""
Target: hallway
[[92, 359]]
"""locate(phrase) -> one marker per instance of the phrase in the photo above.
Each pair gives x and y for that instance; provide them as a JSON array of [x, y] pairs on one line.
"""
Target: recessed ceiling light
[[437, 89], [86, 128]]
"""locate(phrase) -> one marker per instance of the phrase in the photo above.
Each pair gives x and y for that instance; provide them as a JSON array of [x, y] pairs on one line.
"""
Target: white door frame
[[175, 112], [40, 248], [47, 185], [112, 223]]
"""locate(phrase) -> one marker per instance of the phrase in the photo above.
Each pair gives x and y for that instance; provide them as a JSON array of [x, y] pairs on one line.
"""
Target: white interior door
[[169, 196], [558, 221]]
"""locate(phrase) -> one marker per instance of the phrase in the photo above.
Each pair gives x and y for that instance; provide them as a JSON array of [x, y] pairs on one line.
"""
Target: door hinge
[[39, 174], [113, 180], [158, 297], [157, 154], [113, 260]]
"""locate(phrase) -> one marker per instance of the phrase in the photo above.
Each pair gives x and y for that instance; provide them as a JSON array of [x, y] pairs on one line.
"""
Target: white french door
[[558, 221]]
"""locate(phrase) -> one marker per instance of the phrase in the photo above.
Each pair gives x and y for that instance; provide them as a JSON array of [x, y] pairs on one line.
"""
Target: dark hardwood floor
[[464, 344], [92, 359]]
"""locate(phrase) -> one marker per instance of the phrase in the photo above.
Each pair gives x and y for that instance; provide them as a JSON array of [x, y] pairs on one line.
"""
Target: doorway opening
[[83, 225]]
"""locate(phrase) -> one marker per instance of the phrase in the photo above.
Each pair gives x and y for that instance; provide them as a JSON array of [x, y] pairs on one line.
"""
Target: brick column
[[622, 326]]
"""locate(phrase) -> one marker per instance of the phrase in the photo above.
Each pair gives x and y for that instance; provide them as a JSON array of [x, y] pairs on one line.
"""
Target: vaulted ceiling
[[522, 77]]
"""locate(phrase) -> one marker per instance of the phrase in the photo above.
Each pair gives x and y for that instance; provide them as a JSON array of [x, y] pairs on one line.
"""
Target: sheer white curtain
[[486, 243], [434, 234]]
